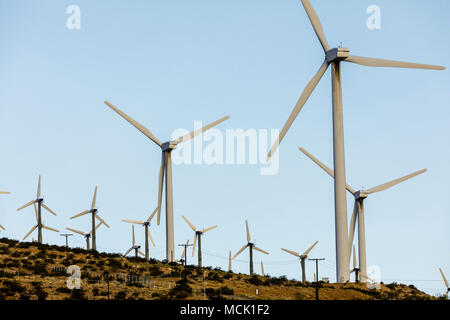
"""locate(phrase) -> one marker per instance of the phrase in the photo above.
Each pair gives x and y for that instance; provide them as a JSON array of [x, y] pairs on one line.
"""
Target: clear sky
[[168, 63]]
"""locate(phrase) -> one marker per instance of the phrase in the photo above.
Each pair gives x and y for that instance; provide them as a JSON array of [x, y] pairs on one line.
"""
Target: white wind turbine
[[95, 215], [165, 171], [85, 235], [134, 246], [251, 246], [4, 192], [146, 230], [198, 238], [334, 57], [358, 209], [445, 282], [302, 258], [37, 211]]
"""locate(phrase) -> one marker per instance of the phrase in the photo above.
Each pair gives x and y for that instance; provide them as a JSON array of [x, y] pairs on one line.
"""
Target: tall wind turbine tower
[[250, 246], [94, 216], [4, 192], [198, 239], [148, 235], [302, 258], [37, 211], [165, 172], [334, 57], [358, 210]]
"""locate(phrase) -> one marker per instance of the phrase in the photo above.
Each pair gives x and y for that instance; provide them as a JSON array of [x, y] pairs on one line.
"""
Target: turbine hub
[[168, 146], [39, 200], [337, 54], [360, 195]]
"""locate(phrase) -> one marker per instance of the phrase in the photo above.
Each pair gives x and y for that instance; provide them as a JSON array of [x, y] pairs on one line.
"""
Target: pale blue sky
[[168, 63]]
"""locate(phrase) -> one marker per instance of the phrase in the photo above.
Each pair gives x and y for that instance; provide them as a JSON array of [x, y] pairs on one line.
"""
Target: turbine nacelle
[[337, 54], [168, 146], [360, 195]]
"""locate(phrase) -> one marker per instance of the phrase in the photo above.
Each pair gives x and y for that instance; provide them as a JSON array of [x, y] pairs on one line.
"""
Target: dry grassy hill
[[33, 271]]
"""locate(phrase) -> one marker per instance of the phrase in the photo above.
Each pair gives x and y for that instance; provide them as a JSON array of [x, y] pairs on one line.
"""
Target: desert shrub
[[155, 271], [215, 294], [16, 254], [214, 276], [182, 290], [255, 280], [63, 290], [114, 263], [24, 296], [227, 276], [77, 294], [14, 286], [121, 295]]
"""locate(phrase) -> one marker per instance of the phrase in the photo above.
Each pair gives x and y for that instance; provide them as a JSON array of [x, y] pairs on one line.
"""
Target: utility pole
[[317, 275], [67, 235], [185, 245]]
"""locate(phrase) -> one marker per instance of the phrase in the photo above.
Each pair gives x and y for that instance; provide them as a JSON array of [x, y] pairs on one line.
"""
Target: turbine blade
[[48, 209], [133, 221], [260, 250], [325, 168], [136, 124], [76, 231], [152, 215], [195, 133], [98, 226], [195, 242], [101, 220], [151, 238], [317, 25], [38, 194], [310, 248], [443, 277], [372, 62], [5, 192], [80, 214], [298, 107], [29, 232], [48, 228], [352, 226], [161, 184], [207, 229], [365, 276], [239, 252], [248, 232], [2, 227], [36, 211], [392, 183], [291, 252], [128, 251], [190, 224], [262, 268], [354, 258], [141, 253], [94, 198], [26, 205]]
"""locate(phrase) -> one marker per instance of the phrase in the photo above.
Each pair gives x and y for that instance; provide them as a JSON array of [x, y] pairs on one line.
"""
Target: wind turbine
[[355, 269], [4, 192], [165, 172], [198, 235], [446, 282], [134, 246], [37, 211], [358, 209], [85, 235], [229, 262], [94, 211], [302, 258], [334, 57], [147, 232], [262, 270], [251, 246]]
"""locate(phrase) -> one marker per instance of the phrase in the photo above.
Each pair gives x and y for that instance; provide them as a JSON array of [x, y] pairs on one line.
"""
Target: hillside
[[33, 271]]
